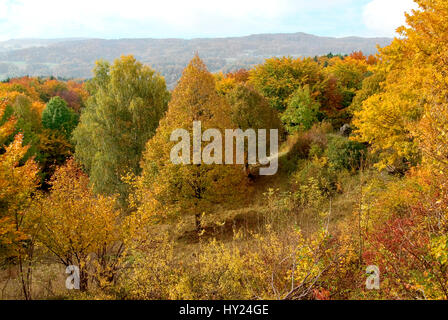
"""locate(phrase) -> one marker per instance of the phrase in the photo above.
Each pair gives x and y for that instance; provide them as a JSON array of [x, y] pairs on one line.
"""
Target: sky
[[113, 19]]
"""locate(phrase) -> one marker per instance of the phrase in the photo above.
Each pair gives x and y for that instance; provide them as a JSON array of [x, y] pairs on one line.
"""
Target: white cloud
[[383, 17], [56, 18]]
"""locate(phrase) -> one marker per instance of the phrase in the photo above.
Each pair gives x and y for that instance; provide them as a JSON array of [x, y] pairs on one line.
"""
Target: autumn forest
[[87, 181]]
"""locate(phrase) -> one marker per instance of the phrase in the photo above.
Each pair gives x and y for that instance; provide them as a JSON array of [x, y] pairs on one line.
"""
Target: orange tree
[[179, 189], [18, 183]]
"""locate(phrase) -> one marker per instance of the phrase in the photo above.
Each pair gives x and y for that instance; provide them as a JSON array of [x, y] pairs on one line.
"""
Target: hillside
[[75, 58]]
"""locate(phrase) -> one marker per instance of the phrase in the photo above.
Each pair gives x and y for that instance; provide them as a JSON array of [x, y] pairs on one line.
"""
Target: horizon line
[[75, 38]]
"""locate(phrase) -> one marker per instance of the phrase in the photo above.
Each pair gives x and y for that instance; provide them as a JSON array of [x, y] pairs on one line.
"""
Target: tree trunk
[[25, 278], [83, 280], [199, 227]]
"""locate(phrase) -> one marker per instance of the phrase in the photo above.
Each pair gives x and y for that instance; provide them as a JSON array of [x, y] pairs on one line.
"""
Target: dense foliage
[[126, 102], [362, 179]]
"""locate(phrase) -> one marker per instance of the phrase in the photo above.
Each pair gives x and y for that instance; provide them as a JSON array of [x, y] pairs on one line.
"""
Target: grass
[[250, 218]]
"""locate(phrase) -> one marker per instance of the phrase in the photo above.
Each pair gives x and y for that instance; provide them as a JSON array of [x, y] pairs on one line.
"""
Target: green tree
[[58, 116], [54, 150], [278, 78], [250, 110], [27, 123], [127, 101], [302, 111]]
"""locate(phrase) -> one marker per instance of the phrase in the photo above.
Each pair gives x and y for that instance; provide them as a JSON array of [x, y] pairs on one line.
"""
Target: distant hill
[[75, 58], [17, 44]]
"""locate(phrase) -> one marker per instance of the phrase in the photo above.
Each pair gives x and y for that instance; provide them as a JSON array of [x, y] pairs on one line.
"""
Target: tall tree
[[407, 118], [250, 110], [127, 101], [398, 119], [18, 183], [182, 189]]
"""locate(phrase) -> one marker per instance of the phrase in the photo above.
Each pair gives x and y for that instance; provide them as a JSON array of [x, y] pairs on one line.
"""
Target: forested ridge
[[75, 58], [86, 178]]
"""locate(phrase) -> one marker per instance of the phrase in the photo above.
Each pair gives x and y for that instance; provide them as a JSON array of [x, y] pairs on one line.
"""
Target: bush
[[316, 177], [306, 144], [343, 153], [269, 266]]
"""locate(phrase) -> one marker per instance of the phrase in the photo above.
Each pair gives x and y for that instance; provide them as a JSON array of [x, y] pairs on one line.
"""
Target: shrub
[[271, 265], [406, 236], [314, 180], [343, 153], [306, 144]]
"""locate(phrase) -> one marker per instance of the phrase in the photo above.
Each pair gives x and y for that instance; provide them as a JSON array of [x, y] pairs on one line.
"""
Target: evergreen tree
[[58, 116]]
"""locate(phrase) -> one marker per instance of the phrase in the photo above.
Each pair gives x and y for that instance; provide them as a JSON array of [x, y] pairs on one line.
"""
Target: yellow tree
[[80, 228], [408, 119], [186, 188], [414, 91], [18, 182], [6, 125]]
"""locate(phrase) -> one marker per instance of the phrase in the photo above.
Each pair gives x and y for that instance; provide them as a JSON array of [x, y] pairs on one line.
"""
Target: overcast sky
[[198, 18]]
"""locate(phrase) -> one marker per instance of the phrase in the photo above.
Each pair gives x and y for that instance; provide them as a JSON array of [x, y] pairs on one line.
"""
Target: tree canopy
[[57, 116], [127, 102], [189, 189]]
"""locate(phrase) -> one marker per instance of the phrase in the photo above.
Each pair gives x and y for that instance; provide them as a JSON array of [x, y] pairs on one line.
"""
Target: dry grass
[[266, 206]]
